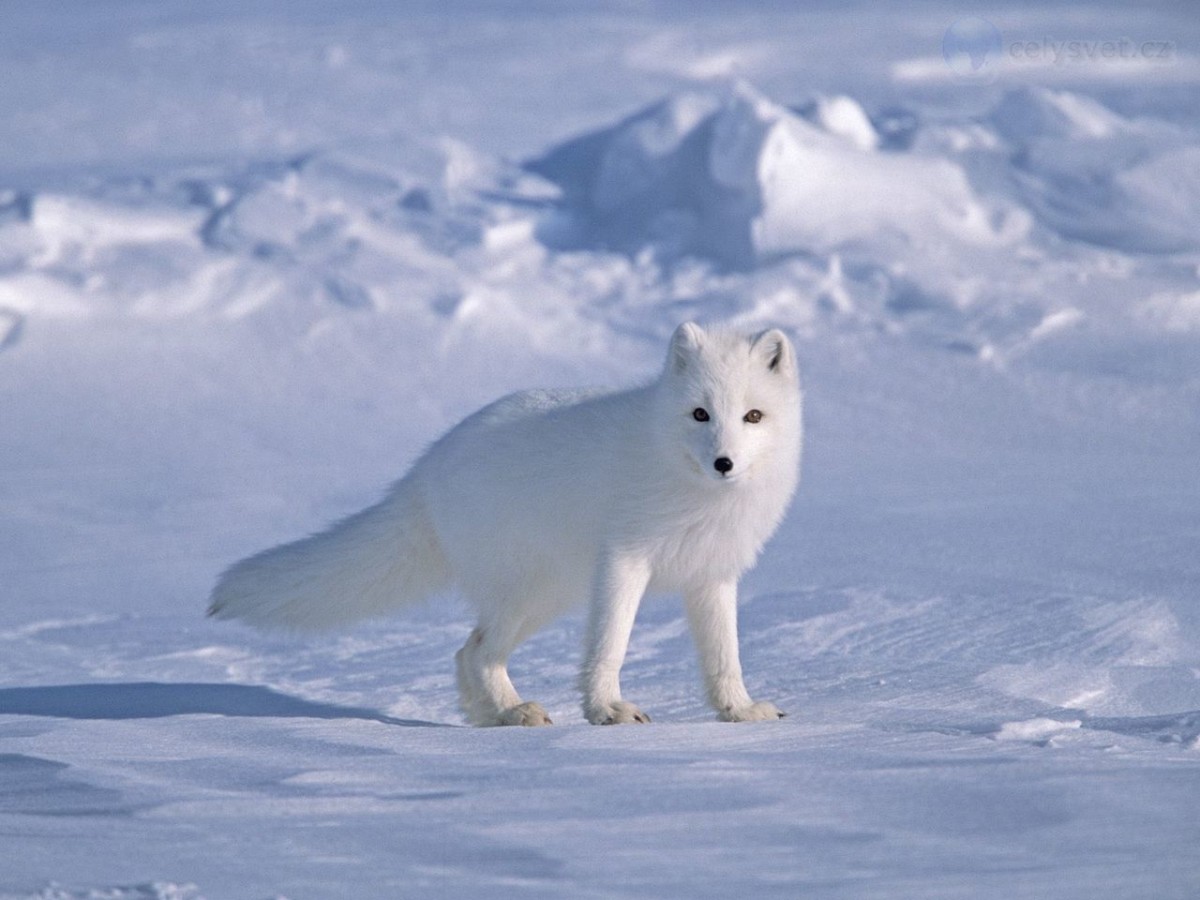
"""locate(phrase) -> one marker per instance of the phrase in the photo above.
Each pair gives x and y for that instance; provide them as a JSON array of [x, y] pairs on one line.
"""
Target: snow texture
[[255, 257]]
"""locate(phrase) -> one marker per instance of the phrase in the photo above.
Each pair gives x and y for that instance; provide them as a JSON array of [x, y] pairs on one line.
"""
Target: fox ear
[[775, 351], [684, 343]]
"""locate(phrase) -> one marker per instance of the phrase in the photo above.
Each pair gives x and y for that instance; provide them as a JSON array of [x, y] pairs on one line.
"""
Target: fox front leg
[[620, 584], [712, 614]]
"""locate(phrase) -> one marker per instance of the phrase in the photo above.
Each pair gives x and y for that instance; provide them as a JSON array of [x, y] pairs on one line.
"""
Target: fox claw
[[618, 713], [529, 713], [755, 712]]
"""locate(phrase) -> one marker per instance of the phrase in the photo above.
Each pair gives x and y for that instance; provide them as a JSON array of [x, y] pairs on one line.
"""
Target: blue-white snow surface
[[255, 256]]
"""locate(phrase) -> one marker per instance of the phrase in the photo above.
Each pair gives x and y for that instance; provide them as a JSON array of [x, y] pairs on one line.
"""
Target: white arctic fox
[[546, 500]]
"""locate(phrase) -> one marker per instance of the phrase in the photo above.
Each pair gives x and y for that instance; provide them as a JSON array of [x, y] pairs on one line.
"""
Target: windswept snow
[[253, 260], [743, 179]]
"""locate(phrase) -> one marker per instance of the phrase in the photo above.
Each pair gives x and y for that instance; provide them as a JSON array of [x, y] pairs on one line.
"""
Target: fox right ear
[[774, 348], [684, 343]]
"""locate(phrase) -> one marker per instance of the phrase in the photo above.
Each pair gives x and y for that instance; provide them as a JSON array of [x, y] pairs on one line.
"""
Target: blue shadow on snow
[[153, 700]]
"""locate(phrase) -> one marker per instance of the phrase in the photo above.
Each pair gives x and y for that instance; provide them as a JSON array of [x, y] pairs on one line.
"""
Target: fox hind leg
[[486, 693]]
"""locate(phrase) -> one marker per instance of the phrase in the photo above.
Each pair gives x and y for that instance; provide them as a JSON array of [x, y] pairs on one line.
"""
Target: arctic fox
[[546, 500]]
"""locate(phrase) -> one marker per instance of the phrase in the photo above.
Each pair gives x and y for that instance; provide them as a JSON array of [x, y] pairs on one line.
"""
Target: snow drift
[[740, 178]]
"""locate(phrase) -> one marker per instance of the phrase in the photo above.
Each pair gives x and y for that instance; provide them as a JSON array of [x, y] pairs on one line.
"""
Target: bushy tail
[[366, 565]]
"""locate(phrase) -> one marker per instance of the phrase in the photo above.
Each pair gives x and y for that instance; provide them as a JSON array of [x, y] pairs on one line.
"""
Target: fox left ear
[[775, 351], [685, 344]]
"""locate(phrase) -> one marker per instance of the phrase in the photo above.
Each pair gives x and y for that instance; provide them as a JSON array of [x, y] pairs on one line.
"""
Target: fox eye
[[753, 417], [700, 414]]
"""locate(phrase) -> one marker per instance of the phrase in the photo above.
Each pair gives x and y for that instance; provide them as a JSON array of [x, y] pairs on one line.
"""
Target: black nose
[[723, 464]]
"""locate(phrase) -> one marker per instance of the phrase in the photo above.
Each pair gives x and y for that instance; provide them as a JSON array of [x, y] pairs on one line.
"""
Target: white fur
[[547, 500]]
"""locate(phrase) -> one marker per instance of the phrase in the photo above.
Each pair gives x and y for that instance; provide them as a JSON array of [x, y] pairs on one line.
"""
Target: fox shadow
[[154, 700]]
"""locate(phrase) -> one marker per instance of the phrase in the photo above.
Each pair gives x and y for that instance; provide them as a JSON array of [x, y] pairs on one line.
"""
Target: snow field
[[245, 278]]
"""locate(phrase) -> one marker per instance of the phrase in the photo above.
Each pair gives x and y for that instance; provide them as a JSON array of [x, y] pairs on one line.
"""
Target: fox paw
[[755, 712], [617, 713], [529, 713]]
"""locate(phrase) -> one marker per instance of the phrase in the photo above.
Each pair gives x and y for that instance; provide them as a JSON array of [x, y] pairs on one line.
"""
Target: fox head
[[731, 403]]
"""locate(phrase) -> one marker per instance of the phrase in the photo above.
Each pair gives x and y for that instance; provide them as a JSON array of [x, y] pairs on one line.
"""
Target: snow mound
[[971, 236], [1091, 175], [334, 231], [1037, 112], [843, 116], [731, 175], [1039, 729], [1175, 728], [742, 179]]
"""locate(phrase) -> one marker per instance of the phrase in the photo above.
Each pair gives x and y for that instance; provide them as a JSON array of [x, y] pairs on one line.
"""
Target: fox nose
[[723, 464]]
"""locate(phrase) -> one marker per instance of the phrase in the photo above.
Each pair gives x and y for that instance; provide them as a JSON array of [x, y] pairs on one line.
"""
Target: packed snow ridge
[[970, 234], [733, 175], [743, 179]]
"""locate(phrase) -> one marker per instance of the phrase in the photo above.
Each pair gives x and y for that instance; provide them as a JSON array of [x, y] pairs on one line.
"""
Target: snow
[[1034, 729], [743, 179], [254, 258]]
